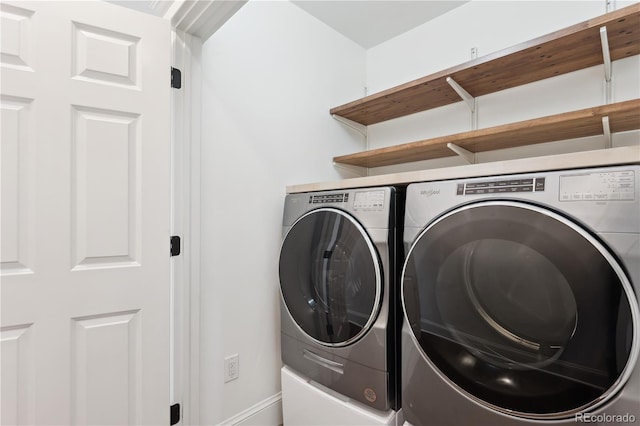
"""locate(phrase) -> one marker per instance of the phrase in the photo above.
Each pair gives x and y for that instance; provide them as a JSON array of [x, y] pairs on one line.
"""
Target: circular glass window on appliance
[[330, 277], [521, 309]]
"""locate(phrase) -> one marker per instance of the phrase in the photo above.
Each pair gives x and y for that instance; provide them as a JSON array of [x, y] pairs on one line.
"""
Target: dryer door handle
[[327, 363]]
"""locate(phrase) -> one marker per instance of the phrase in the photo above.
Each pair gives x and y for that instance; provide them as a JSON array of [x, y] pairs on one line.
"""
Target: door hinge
[[176, 78], [175, 245], [175, 414]]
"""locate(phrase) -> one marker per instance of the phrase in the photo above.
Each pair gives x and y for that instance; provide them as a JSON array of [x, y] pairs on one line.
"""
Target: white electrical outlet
[[231, 368]]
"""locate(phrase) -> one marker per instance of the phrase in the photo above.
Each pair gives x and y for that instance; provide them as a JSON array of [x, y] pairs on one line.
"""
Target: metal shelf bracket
[[470, 100], [606, 130], [609, 5], [606, 56], [360, 128], [469, 156], [606, 59], [356, 170]]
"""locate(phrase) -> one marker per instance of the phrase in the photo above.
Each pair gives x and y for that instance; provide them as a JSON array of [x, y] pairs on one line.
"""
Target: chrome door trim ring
[[376, 263]]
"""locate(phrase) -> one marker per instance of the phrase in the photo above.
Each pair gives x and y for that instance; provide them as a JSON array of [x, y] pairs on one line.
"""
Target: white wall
[[490, 26], [270, 76]]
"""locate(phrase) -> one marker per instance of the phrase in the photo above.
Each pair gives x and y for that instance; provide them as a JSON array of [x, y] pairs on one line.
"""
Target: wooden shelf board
[[560, 52], [573, 160], [623, 116]]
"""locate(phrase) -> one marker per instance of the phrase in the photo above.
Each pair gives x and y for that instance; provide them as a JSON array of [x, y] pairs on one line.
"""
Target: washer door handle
[[324, 362]]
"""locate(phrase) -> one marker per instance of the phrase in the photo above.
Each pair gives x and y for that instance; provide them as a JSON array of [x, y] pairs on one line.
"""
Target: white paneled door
[[85, 214]]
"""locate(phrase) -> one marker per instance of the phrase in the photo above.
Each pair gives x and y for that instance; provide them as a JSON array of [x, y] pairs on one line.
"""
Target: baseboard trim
[[255, 410]]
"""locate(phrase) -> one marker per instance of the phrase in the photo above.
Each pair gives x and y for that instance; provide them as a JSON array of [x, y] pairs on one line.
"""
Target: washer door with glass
[[521, 309], [330, 277]]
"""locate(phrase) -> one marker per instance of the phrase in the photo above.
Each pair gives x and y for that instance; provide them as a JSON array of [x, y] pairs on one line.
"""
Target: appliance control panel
[[362, 200], [501, 186], [368, 200], [601, 186], [329, 198]]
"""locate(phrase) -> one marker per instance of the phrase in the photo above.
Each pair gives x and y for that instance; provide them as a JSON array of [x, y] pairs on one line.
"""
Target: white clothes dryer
[[520, 299]]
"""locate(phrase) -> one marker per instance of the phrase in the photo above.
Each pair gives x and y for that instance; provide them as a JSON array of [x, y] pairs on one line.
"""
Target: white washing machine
[[520, 299], [306, 403], [338, 273]]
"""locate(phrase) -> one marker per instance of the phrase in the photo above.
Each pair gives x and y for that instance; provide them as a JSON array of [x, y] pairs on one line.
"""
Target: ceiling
[[366, 22], [371, 22]]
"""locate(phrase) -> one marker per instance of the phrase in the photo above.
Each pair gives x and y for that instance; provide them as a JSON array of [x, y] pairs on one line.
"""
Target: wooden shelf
[[623, 116], [563, 51], [570, 161], [571, 49]]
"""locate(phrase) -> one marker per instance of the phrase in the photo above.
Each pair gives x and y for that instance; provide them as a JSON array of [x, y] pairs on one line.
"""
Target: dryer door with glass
[[330, 277], [521, 309]]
